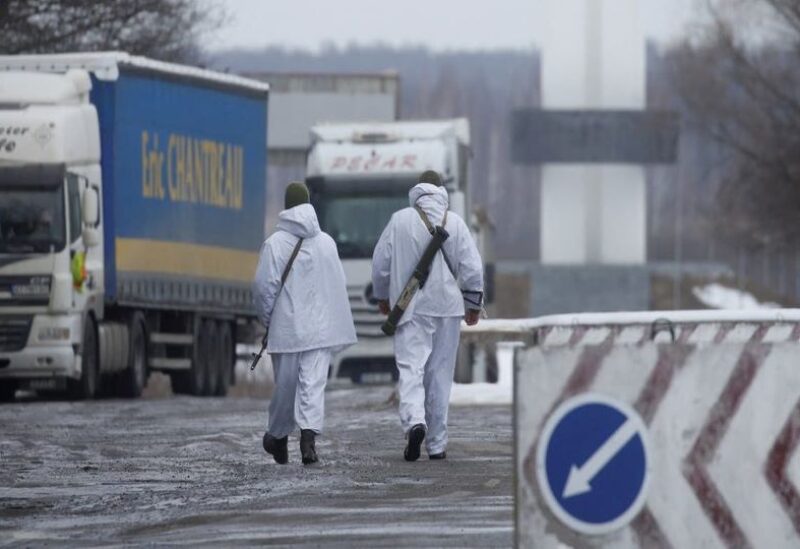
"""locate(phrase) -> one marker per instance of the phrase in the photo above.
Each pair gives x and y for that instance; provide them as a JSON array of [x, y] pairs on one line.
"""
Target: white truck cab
[[50, 189], [359, 174]]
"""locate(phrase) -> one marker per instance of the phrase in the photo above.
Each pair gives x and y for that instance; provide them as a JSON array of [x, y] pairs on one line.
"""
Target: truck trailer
[[359, 174], [132, 197]]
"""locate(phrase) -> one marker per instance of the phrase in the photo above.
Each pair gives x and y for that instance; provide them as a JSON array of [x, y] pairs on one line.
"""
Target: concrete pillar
[[593, 57]]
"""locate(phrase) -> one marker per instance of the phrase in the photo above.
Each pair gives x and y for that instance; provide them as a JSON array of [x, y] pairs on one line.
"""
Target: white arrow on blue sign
[[592, 463]]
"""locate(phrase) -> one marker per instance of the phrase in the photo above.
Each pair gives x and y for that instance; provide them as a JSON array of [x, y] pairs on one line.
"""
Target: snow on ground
[[718, 296], [501, 392], [191, 471]]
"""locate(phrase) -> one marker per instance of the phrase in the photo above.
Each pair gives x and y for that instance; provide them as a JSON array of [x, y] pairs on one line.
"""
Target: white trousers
[[425, 349], [299, 396]]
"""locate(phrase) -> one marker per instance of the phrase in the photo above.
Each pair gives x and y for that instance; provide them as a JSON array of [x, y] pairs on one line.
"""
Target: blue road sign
[[592, 463]]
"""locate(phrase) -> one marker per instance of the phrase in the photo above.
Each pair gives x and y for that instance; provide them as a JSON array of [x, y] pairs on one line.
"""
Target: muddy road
[[191, 471]]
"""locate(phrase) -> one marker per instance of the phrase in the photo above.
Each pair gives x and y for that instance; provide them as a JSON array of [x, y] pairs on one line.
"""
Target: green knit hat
[[296, 194], [430, 176]]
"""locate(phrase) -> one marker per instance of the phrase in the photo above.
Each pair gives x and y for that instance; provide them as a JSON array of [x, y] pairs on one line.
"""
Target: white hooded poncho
[[313, 310], [401, 245]]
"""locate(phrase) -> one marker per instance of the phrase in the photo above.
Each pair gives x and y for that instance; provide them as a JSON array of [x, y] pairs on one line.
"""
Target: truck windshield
[[356, 221], [32, 219]]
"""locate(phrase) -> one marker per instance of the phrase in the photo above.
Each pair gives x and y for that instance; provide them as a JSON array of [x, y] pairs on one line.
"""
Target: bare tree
[[742, 89], [169, 30]]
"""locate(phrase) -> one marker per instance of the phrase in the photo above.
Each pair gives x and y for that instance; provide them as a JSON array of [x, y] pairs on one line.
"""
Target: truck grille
[[14, 333], [7, 297], [366, 317]]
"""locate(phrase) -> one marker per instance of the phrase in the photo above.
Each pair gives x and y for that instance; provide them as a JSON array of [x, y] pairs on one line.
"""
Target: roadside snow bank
[[501, 392], [718, 296]]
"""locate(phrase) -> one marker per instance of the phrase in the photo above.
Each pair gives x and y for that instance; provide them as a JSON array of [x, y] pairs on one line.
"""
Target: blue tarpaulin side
[[184, 165]]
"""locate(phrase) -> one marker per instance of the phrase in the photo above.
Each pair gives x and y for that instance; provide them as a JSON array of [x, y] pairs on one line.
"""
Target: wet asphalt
[[191, 471]]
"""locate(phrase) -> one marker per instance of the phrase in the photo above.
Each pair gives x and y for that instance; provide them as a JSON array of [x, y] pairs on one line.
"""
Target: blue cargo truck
[[132, 197]]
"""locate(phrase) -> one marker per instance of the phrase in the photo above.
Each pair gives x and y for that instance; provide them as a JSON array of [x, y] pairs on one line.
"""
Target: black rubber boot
[[308, 448], [277, 447], [415, 437], [440, 455]]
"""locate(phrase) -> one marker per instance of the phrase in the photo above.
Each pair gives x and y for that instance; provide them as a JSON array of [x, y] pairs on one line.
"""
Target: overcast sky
[[439, 24]]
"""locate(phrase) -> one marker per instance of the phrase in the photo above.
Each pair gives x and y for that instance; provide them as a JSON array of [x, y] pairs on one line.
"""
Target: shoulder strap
[[284, 276], [473, 297], [288, 268], [424, 217], [429, 226]]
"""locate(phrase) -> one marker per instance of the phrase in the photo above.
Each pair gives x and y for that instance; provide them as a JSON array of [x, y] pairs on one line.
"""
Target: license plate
[[43, 384], [376, 377]]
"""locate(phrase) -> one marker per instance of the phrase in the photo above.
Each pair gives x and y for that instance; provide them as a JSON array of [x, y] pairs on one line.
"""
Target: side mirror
[[91, 237], [91, 207]]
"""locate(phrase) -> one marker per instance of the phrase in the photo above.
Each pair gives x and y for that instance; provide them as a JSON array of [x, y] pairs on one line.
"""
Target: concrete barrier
[[676, 429]]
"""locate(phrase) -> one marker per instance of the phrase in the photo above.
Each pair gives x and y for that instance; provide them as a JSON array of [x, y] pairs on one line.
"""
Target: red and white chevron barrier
[[719, 396]]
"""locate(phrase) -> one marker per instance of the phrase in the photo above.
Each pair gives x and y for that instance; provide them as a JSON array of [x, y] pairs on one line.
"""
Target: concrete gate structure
[[592, 137]]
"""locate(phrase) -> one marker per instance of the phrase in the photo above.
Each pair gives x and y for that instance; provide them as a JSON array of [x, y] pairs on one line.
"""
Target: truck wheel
[[224, 358], [211, 353], [8, 389], [134, 377], [196, 382], [192, 381], [86, 386]]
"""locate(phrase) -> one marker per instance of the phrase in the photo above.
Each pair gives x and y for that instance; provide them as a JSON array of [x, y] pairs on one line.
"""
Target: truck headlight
[[37, 286], [53, 333]]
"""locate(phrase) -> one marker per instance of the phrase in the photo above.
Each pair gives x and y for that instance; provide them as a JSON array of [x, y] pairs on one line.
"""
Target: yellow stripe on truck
[[179, 258]]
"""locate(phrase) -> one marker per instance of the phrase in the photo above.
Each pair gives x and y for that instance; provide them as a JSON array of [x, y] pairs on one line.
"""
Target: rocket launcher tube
[[417, 280]]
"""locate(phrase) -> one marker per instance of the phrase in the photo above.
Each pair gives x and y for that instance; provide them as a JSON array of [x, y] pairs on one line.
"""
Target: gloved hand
[[383, 306]]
